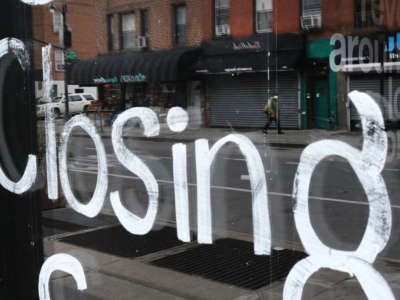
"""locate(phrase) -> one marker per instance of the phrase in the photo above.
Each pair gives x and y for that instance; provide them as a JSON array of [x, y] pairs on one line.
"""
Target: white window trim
[[59, 54], [57, 21]]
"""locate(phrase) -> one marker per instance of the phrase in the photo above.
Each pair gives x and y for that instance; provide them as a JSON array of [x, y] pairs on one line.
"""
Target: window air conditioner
[[142, 42], [222, 29], [311, 22], [60, 67]]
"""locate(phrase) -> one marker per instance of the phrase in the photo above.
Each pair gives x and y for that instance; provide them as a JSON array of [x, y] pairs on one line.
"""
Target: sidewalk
[[290, 138], [113, 276]]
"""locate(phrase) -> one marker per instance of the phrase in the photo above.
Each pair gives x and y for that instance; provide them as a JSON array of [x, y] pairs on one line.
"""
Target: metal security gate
[[392, 98], [389, 103], [239, 101]]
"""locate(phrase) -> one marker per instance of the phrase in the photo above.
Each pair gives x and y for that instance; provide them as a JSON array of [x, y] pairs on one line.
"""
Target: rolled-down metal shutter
[[389, 103], [392, 98], [239, 101], [371, 86]]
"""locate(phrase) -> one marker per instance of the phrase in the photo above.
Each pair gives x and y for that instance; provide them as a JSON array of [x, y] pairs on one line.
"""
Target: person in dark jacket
[[272, 111]]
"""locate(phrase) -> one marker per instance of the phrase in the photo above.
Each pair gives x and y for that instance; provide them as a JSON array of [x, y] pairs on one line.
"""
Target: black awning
[[251, 54], [155, 66]]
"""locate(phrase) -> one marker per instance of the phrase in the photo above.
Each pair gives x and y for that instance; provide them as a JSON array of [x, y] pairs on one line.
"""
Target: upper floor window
[[110, 32], [366, 13], [59, 59], [264, 15], [222, 17], [57, 21], [311, 15], [144, 22], [128, 31], [311, 8], [180, 25]]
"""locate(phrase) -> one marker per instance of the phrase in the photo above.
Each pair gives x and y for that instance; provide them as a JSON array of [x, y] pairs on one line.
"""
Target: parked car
[[78, 103], [41, 105]]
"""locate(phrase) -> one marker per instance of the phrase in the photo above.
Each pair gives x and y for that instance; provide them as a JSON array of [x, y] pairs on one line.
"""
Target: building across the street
[[223, 59], [250, 53], [348, 46], [147, 54], [48, 30]]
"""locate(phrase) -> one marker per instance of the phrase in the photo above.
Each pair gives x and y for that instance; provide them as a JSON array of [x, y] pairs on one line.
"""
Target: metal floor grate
[[117, 241], [233, 262]]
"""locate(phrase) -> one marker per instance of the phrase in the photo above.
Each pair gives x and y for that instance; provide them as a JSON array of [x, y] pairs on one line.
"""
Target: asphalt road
[[338, 204]]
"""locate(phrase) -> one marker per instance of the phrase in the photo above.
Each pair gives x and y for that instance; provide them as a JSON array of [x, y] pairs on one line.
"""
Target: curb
[[191, 140]]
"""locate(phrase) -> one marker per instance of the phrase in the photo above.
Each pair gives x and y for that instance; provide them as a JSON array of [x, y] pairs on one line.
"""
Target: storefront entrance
[[320, 98]]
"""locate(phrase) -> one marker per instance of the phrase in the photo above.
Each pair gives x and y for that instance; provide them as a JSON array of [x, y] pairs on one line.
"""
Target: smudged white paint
[[373, 284], [51, 150], [179, 153], [36, 2], [26, 181], [60, 262], [46, 66], [367, 164], [177, 119], [51, 155], [261, 218], [17, 47], [131, 222], [94, 206]]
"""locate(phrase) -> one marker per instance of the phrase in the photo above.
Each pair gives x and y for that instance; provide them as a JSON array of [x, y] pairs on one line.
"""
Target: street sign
[[71, 55]]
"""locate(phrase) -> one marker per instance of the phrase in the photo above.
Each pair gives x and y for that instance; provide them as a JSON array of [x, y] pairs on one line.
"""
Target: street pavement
[[338, 208]]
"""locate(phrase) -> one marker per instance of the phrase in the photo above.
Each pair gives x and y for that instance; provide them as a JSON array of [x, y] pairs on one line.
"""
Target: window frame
[[121, 32], [256, 18], [144, 22], [216, 23], [175, 24], [59, 55], [57, 21], [110, 32], [303, 10]]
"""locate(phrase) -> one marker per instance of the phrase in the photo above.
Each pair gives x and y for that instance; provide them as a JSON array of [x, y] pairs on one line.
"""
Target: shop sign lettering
[[133, 78], [353, 53], [102, 80], [237, 46], [393, 48]]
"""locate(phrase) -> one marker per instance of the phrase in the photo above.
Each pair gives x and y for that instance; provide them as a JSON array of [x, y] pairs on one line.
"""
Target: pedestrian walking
[[272, 111]]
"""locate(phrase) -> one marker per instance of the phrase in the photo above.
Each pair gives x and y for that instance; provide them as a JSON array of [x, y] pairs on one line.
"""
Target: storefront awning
[[130, 67], [251, 54]]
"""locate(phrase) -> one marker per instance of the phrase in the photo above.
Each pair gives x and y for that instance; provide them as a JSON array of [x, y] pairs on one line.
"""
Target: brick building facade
[[146, 50], [285, 18], [161, 31], [323, 101], [243, 42], [81, 21], [365, 24], [242, 51]]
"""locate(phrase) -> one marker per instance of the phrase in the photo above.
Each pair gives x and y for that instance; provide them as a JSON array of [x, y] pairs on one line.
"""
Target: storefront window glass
[[193, 149]]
